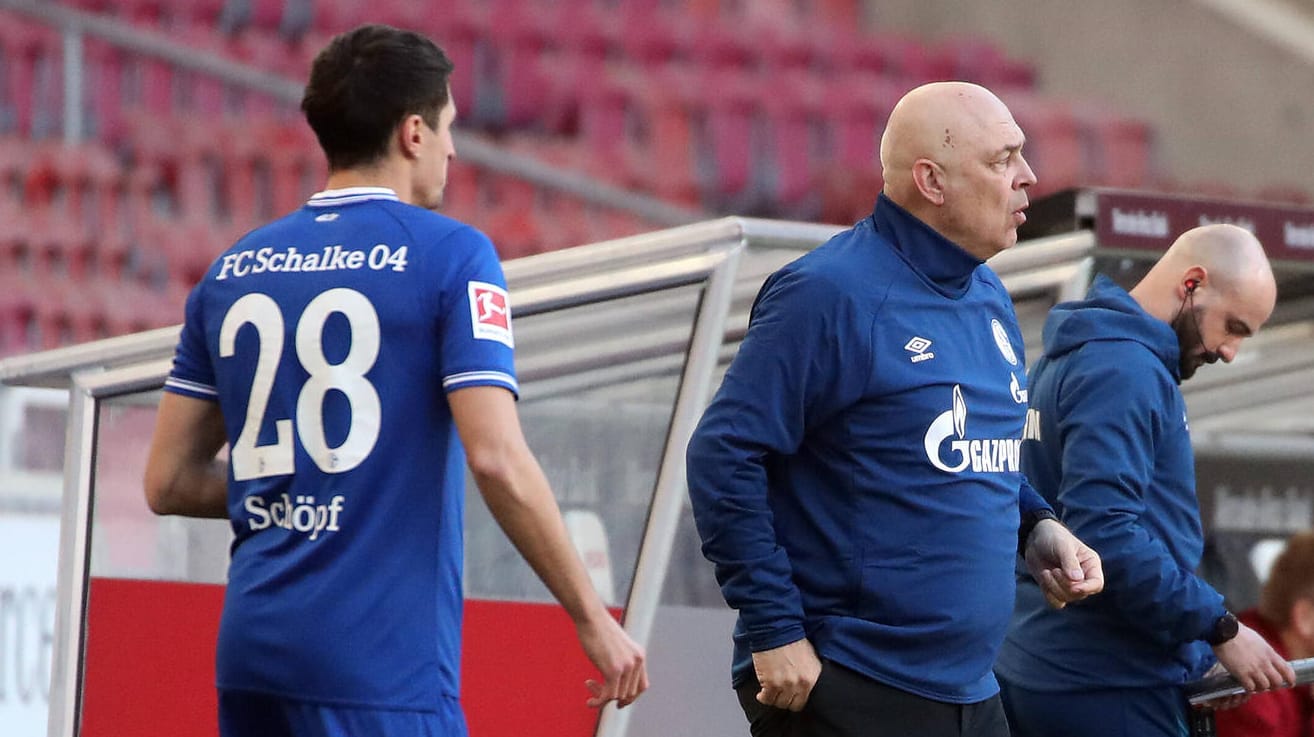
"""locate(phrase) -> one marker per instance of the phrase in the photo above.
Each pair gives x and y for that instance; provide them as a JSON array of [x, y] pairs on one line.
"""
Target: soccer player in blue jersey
[[1113, 456], [356, 356], [855, 480]]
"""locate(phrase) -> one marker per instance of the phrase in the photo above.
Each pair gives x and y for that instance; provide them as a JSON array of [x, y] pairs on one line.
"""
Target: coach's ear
[[928, 177]]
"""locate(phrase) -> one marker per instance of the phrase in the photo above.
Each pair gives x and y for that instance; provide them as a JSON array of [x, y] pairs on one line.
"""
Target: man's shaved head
[[951, 156], [1215, 287]]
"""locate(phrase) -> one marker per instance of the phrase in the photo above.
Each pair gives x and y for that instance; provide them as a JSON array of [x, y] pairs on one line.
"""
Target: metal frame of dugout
[[604, 315]]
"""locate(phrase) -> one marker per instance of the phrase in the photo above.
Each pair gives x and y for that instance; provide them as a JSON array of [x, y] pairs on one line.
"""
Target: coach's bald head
[[951, 155]]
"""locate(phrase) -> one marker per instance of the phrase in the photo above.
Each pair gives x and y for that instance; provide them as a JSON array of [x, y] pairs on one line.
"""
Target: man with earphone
[[1111, 453]]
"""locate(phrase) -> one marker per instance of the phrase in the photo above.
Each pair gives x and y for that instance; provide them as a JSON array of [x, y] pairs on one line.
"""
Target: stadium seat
[[1054, 147], [978, 60], [297, 168], [104, 87], [193, 12], [663, 149], [796, 117], [332, 17], [29, 51], [584, 27], [514, 92], [513, 220], [463, 37], [787, 45], [17, 314], [266, 50], [860, 106], [43, 181], [652, 36], [247, 190], [852, 52], [724, 46], [461, 196], [15, 239], [149, 84], [1119, 149], [734, 135], [604, 108]]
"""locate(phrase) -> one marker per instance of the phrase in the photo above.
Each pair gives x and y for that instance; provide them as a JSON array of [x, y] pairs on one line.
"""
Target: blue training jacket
[[1114, 459], [856, 478]]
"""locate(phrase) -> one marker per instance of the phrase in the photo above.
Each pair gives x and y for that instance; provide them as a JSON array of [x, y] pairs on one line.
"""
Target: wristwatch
[[1225, 628], [1029, 522]]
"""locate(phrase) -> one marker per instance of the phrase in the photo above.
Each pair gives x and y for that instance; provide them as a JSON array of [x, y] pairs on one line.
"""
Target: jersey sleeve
[[475, 324], [193, 372]]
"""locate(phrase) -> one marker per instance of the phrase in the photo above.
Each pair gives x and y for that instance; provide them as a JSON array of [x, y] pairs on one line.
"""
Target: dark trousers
[[845, 703], [1108, 712]]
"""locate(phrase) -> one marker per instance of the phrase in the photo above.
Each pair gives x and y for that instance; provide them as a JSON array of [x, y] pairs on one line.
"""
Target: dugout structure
[[619, 346]]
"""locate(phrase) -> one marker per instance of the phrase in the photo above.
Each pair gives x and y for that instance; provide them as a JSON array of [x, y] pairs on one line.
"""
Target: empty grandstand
[[139, 138]]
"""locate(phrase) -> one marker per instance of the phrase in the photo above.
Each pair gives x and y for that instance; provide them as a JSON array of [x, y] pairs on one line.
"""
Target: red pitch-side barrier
[[149, 668]]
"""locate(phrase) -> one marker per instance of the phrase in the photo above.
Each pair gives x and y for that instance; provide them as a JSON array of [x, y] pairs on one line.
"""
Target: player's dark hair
[[364, 83]]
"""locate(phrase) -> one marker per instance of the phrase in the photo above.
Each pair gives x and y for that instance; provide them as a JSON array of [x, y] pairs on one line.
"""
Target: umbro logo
[[917, 346]]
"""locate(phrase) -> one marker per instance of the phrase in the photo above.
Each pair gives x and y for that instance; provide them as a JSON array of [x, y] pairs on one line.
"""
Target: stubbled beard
[[1186, 326]]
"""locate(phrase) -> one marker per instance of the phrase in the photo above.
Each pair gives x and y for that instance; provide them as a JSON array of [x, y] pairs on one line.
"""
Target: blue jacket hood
[[1110, 313]]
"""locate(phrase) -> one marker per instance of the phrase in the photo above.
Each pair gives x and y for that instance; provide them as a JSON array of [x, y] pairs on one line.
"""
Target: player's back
[[332, 334]]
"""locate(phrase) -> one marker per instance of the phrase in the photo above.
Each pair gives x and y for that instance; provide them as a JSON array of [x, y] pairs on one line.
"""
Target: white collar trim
[[349, 195]]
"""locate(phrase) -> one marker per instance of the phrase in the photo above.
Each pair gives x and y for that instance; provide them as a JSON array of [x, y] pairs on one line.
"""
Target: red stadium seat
[[861, 106], [787, 45], [565, 221], [29, 50], [104, 86], [733, 110], [664, 151], [513, 221], [15, 239], [797, 111], [725, 46], [192, 12], [461, 38], [1054, 147], [267, 15], [653, 36], [584, 27], [513, 91], [977, 59], [15, 153], [1120, 149], [268, 51], [297, 166], [604, 107], [17, 314]]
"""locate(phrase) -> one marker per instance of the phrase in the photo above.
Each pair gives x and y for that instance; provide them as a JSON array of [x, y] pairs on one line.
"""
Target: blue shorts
[[247, 714]]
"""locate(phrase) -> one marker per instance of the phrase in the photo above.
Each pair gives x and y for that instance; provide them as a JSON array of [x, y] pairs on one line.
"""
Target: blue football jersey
[[330, 338]]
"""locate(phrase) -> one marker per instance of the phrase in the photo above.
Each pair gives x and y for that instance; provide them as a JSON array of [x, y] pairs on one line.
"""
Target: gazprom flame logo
[[992, 455]]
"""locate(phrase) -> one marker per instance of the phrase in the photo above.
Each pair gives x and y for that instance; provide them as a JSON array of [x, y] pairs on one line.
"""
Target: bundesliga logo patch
[[490, 313]]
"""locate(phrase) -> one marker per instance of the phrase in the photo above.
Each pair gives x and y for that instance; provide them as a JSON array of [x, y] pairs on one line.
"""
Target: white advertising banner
[[29, 553]]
